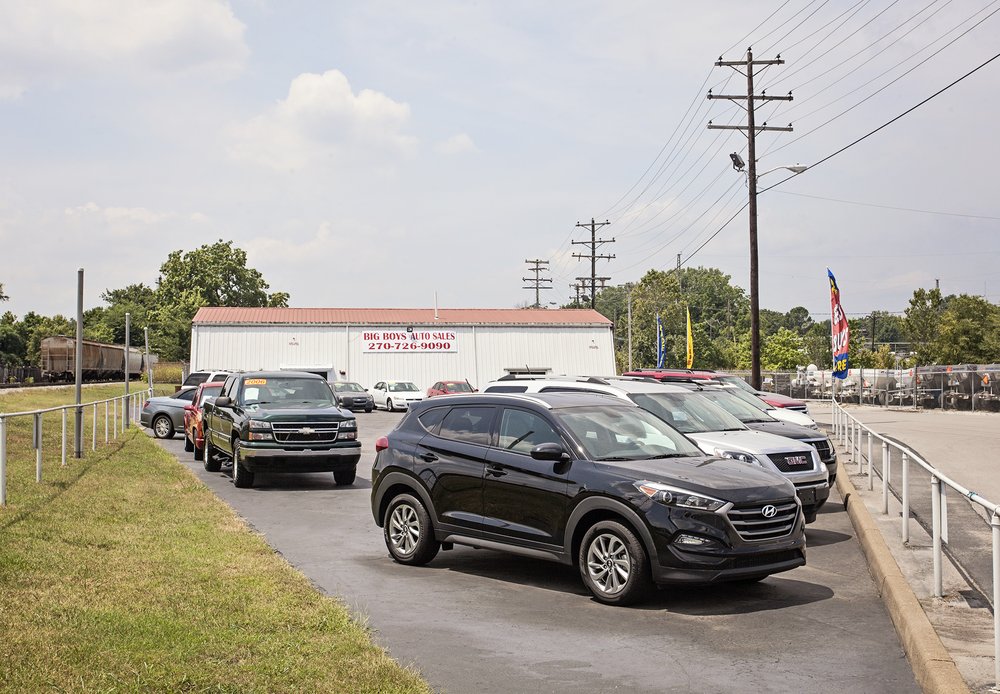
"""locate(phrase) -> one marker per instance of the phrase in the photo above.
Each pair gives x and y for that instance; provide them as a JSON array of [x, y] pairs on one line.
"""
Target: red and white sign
[[373, 341]]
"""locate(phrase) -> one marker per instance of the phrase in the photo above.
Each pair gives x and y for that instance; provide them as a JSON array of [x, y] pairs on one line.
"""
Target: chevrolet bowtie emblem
[[307, 431]]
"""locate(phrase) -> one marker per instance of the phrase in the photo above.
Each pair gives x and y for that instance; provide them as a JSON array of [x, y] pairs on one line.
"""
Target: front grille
[[751, 524], [305, 432], [824, 449], [756, 560], [792, 462]]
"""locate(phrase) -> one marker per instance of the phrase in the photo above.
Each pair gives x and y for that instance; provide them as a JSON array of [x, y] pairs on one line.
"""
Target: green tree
[[922, 321], [212, 275], [783, 350], [3, 297], [968, 332]]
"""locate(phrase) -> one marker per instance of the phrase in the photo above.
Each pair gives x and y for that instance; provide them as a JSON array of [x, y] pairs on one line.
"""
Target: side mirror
[[223, 401], [549, 451]]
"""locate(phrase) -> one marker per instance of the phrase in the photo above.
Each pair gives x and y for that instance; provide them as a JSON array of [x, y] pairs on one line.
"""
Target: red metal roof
[[214, 315]]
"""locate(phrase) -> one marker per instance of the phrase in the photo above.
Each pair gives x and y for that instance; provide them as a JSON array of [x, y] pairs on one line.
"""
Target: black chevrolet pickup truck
[[280, 421]]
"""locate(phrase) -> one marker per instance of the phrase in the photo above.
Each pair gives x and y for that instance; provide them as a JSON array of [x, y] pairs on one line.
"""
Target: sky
[[398, 154]]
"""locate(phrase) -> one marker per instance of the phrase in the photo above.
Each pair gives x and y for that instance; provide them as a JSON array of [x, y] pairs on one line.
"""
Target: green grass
[[123, 572]]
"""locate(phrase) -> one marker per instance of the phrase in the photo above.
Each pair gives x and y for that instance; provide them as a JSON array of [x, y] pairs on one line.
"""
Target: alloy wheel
[[404, 529], [609, 563]]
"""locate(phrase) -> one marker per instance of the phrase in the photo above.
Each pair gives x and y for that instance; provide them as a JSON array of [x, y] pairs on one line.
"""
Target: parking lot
[[485, 621]]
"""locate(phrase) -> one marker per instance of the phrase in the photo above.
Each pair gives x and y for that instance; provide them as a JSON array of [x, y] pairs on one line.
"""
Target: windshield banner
[[840, 331], [403, 340]]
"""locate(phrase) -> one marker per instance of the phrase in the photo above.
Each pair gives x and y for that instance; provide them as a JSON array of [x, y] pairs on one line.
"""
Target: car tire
[[614, 565], [211, 462], [369, 408], [162, 427], [810, 515], [388, 405], [199, 453], [242, 477], [188, 446], [408, 531], [344, 478]]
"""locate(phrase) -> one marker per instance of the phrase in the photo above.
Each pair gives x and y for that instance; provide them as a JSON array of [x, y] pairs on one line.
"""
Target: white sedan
[[396, 395]]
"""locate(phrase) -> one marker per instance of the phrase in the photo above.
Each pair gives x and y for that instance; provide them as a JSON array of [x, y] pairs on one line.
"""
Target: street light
[[752, 177]]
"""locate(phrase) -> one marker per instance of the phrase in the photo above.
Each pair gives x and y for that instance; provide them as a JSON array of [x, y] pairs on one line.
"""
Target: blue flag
[[661, 351]]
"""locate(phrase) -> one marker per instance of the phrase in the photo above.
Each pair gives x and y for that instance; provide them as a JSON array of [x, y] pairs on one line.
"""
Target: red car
[[772, 399], [194, 436], [449, 387]]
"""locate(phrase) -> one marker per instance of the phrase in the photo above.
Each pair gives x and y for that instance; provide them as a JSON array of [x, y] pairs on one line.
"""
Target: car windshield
[[458, 387], [348, 387], [401, 387], [686, 412], [736, 381], [610, 433], [731, 401], [286, 389], [207, 393]]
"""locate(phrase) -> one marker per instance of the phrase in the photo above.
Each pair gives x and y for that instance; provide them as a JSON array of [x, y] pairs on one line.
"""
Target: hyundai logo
[[769, 511]]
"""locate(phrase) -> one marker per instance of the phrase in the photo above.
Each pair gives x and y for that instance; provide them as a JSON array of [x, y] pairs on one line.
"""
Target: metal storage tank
[[419, 345]]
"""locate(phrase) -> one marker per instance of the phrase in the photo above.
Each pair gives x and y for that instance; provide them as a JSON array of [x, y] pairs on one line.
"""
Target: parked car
[[713, 429], [744, 407], [675, 375], [194, 437], [450, 388], [393, 395], [585, 480], [164, 414], [280, 421], [353, 396], [198, 377], [784, 414]]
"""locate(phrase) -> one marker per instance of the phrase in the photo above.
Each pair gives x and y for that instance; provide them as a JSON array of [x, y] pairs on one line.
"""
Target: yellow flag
[[690, 355]]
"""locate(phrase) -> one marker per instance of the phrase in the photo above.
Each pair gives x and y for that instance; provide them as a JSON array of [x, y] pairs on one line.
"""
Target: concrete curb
[[932, 665]]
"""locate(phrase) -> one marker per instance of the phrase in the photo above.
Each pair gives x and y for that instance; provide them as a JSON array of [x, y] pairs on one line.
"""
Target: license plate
[[807, 496]]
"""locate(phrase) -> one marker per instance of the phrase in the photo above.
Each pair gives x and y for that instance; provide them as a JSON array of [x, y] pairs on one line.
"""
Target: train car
[[101, 362]]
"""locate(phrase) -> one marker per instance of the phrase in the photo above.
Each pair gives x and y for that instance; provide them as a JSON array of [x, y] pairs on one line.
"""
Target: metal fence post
[[106, 421], [886, 466], [869, 454], [37, 432], [114, 412], [995, 526], [93, 443], [885, 457], [857, 442], [936, 532], [3, 469], [906, 498], [63, 463]]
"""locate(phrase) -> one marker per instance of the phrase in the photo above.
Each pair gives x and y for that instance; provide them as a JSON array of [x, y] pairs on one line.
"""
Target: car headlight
[[260, 430], [675, 496], [349, 424], [738, 455]]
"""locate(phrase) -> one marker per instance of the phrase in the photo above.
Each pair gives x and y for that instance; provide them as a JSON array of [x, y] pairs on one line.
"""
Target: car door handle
[[428, 457], [495, 471]]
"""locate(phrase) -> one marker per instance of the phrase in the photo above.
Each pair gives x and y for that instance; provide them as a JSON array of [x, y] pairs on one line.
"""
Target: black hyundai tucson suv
[[584, 480]]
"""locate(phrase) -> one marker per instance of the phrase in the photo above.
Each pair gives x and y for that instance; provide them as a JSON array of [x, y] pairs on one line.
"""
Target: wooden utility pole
[[593, 243], [537, 279], [751, 129]]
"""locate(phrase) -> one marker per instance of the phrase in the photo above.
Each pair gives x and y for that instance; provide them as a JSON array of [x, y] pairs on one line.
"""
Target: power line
[[889, 207], [890, 122]]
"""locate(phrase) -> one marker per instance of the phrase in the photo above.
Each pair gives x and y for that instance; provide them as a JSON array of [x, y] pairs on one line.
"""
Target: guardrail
[[130, 404], [851, 434]]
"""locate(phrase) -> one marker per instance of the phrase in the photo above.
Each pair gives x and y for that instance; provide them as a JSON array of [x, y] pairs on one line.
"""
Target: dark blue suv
[[585, 480]]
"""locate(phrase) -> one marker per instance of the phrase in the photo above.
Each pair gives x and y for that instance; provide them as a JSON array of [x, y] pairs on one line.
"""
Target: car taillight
[[381, 443]]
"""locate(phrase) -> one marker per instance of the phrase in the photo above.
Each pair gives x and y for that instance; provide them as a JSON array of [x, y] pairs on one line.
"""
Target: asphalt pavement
[[485, 621]]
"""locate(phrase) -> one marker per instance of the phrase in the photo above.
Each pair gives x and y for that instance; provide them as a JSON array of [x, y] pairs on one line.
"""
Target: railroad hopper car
[[100, 361]]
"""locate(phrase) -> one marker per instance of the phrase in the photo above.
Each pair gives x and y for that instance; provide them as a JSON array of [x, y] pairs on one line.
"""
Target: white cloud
[[457, 144], [121, 221], [321, 119], [59, 40]]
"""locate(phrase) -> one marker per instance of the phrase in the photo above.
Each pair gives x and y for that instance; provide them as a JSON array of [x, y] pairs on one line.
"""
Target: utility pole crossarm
[[594, 256], [744, 63], [760, 129], [755, 97], [537, 279]]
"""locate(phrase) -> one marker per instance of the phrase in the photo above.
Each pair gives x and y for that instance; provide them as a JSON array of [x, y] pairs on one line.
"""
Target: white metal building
[[419, 345]]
